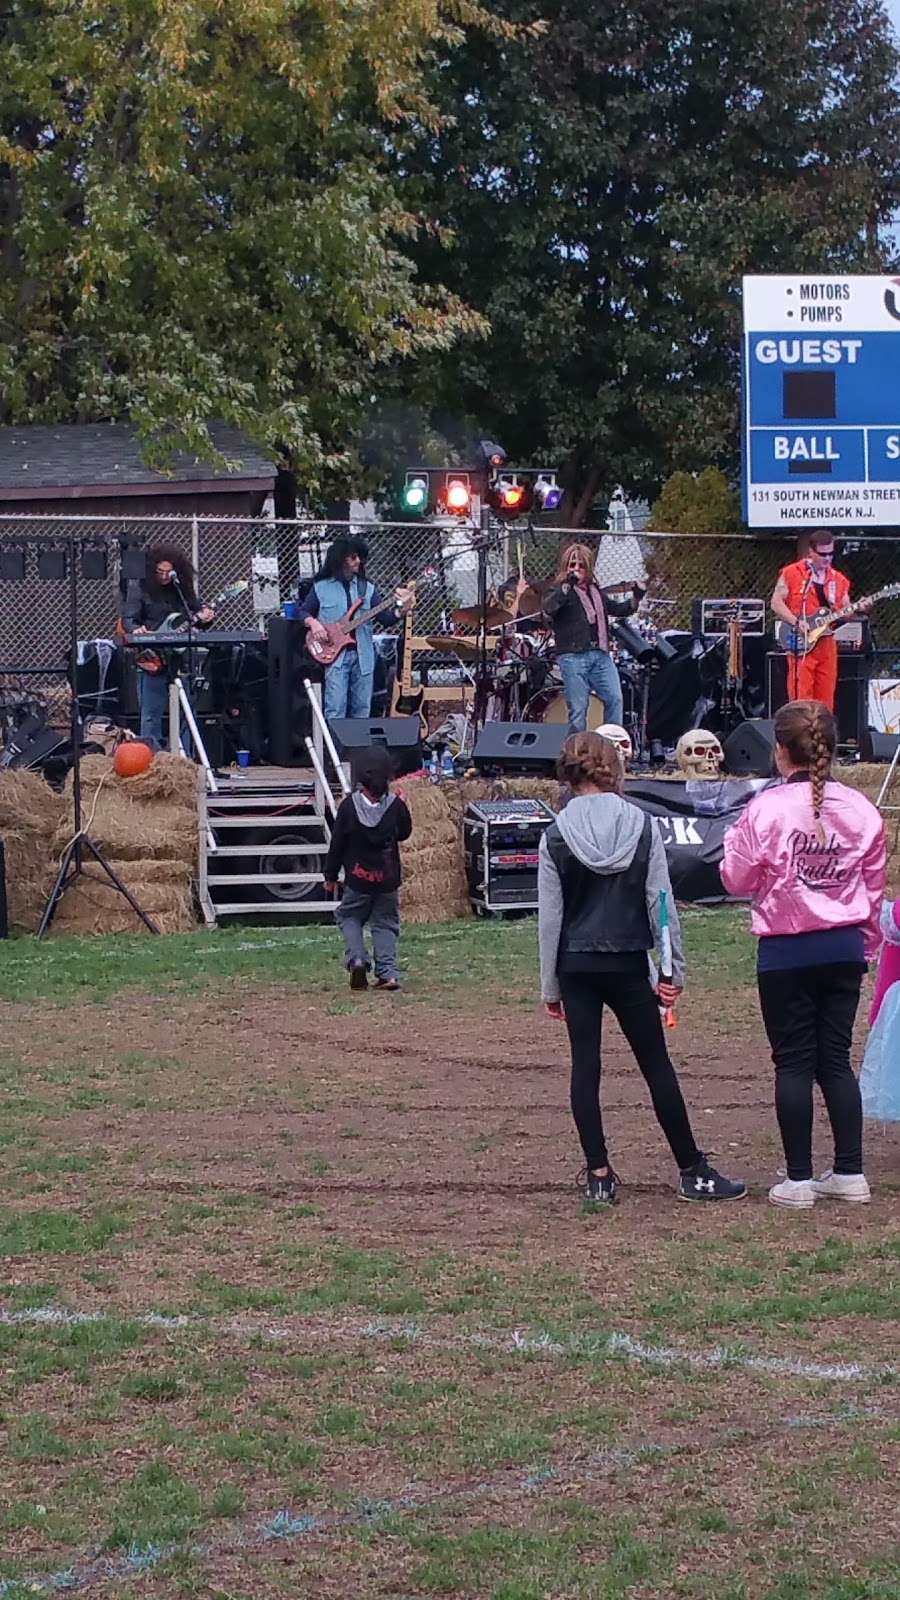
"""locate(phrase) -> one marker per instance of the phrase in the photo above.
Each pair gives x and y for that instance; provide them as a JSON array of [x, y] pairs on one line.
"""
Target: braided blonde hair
[[807, 732]]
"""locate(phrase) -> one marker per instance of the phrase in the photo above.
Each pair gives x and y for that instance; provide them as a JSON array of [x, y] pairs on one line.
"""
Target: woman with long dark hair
[[601, 872], [810, 854], [169, 589]]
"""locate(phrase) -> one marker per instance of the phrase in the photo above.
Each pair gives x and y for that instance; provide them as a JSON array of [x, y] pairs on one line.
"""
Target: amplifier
[[500, 844], [713, 616]]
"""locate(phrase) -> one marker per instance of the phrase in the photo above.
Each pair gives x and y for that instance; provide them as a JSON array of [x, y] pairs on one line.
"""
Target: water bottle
[[434, 767], [448, 766]]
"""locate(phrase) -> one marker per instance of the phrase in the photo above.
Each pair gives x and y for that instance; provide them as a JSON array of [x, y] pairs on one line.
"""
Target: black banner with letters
[[694, 816]]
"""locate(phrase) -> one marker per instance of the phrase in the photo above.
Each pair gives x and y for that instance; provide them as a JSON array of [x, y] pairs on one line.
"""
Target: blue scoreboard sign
[[821, 401]]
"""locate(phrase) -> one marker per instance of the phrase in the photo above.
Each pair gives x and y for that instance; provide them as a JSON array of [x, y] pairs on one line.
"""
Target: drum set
[[516, 677]]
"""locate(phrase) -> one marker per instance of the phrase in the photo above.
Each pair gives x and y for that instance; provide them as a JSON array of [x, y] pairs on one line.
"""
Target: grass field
[[298, 1298]]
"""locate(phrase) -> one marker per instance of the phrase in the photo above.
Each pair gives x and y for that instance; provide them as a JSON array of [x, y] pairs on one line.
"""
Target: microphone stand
[[191, 673]]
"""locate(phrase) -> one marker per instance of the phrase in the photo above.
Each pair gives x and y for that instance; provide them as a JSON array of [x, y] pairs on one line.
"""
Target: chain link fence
[[443, 557]]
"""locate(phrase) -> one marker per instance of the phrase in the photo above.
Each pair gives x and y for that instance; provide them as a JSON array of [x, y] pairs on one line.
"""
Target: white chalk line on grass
[[614, 1345], [286, 1525]]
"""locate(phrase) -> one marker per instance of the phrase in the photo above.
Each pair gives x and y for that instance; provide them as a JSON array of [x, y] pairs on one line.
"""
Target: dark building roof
[[76, 460]]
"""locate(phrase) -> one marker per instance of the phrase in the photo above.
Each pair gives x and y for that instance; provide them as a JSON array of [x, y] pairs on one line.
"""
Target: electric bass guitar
[[338, 635], [405, 700], [176, 622], [800, 639]]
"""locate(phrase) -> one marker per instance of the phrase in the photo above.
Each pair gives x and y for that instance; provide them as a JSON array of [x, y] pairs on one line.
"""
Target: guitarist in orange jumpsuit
[[804, 588]]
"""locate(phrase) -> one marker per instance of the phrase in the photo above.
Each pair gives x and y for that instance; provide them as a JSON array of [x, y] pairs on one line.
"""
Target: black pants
[[808, 1015], [633, 1004]]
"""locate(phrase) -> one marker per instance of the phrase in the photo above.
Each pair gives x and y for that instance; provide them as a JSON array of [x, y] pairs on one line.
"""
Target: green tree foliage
[[608, 185], [197, 220], [702, 504]]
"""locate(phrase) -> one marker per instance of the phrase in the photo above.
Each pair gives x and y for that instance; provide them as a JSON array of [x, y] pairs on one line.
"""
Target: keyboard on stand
[[201, 638]]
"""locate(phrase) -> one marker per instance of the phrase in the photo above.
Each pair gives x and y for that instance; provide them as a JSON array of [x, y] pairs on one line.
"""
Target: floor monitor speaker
[[529, 747], [750, 750]]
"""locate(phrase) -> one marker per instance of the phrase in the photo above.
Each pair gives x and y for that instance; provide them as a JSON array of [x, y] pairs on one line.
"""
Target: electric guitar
[[405, 700], [800, 639], [338, 635], [176, 622]]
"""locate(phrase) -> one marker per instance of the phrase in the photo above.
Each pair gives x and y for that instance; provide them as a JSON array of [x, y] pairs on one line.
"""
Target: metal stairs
[[263, 835]]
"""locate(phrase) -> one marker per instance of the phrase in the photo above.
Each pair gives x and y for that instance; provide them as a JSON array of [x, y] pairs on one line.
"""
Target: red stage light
[[458, 497]]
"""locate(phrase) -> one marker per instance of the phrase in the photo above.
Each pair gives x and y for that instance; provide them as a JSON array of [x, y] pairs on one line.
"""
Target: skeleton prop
[[620, 738], [699, 754]]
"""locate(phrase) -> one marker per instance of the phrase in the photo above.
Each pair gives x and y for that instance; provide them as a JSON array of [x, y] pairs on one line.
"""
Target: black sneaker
[[703, 1182], [599, 1191], [358, 979]]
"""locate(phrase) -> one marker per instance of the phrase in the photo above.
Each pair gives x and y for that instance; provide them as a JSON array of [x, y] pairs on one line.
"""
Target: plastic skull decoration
[[699, 754], [620, 738]]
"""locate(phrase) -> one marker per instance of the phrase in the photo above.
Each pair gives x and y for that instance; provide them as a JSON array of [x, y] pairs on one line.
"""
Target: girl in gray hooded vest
[[601, 869]]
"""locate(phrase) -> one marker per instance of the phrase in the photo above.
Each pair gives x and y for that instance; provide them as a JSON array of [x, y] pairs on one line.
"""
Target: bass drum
[[556, 710]]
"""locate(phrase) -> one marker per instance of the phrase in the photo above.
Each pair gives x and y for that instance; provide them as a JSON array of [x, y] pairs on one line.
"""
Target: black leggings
[[633, 1003], [808, 1015]]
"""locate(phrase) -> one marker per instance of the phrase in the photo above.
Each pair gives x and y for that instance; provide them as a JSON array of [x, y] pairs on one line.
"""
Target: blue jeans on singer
[[582, 671], [348, 692]]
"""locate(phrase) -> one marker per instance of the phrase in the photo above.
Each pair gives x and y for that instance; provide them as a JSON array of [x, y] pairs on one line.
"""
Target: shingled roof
[[102, 458]]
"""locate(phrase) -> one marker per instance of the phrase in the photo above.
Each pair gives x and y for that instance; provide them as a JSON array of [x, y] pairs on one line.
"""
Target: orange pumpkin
[[132, 758]]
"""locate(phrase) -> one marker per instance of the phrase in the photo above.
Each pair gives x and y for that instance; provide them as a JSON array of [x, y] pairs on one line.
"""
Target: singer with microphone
[[169, 589], [578, 611], [805, 588]]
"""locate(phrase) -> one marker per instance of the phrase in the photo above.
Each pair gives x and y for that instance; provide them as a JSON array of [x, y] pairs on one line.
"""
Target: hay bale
[[133, 819], [162, 888], [30, 812], [434, 885]]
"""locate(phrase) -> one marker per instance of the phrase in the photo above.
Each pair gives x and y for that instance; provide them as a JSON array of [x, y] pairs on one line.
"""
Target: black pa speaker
[[750, 750], [290, 716], [876, 746], [402, 736], [32, 744], [851, 698], [527, 747]]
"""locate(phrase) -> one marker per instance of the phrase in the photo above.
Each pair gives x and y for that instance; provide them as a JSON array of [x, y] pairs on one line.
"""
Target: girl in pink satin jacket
[[810, 855]]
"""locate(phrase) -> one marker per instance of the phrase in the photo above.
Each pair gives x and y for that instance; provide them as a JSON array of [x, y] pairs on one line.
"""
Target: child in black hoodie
[[370, 825]]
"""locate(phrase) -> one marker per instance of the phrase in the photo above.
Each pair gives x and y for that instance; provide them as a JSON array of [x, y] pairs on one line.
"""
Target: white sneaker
[[798, 1193], [843, 1186]]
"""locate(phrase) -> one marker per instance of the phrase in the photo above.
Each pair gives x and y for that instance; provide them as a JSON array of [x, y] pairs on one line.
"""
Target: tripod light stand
[[72, 866]]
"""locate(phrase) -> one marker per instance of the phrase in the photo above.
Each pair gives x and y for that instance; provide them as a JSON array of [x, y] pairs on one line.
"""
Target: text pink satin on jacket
[[889, 964], [796, 884]]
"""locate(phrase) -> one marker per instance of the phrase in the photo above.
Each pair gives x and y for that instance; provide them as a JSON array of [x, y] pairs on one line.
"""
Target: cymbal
[[470, 617], [450, 644]]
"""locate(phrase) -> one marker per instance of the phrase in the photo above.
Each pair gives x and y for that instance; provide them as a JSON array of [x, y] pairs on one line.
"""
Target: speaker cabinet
[[402, 736], [876, 746], [750, 750], [528, 747], [290, 716], [850, 701]]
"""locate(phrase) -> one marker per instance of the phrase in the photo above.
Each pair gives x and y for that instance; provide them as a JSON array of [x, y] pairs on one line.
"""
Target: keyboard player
[[169, 589]]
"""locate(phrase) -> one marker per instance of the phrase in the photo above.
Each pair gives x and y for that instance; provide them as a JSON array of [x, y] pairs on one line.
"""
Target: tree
[[197, 220], [702, 504], [606, 188]]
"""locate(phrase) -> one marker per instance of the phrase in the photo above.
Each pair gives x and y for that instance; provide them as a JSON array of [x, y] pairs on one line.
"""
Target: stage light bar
[[415, 494], [547, 493], [510, 498], [456, 495]]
